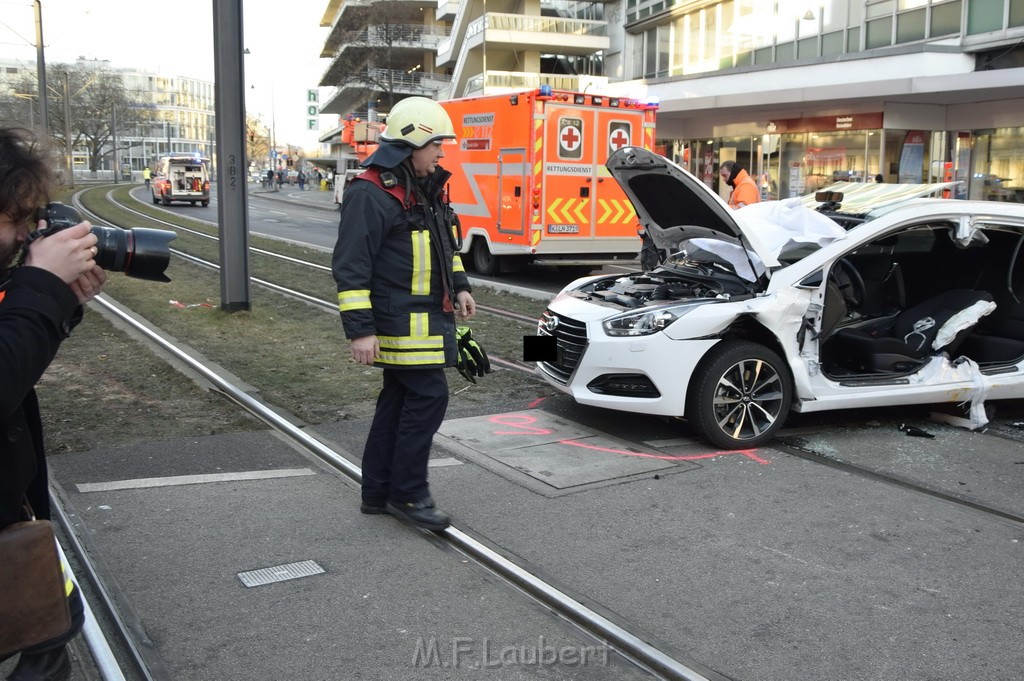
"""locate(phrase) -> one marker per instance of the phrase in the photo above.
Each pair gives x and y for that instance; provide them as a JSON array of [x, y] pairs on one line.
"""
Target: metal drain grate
[[280, 573]]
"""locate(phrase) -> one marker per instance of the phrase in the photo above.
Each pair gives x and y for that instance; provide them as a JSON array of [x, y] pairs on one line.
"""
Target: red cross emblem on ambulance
[[619, 134], [570, 137]]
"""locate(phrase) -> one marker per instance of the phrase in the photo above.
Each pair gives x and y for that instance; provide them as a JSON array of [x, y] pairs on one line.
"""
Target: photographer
[[42, 289]]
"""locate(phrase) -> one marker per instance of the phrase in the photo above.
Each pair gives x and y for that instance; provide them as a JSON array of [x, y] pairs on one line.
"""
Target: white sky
[[175, 38]]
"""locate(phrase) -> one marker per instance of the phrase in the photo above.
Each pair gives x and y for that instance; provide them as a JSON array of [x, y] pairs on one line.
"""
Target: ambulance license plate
[[563, 229]]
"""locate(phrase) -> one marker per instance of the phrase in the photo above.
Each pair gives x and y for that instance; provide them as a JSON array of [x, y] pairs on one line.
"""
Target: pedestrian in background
[[42, 290], [744, 189], [400, 285], [147, 175], [302, 181], [879, 178]]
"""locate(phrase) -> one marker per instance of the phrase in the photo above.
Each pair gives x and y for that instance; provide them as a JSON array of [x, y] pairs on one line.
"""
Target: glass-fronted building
[[805, 92]]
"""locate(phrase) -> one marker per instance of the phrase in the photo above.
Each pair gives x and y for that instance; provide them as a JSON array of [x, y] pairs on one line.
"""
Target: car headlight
[[646, 322]]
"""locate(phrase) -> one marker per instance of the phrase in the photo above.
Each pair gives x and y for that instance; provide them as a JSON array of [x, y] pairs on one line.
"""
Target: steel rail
[[95, 639], [102, 655], [632, 647], [525, 319], [328, 306]]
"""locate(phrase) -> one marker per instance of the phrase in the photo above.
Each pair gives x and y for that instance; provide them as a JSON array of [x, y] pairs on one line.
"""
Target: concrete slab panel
[[577, 462], [511, 430], [559, 453]]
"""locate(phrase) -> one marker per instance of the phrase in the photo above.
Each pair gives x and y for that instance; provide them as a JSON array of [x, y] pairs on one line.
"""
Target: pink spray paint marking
[[521, 422]]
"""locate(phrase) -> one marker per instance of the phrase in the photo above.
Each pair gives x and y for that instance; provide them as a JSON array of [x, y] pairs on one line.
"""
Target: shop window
[[763, 56], [984, 16], [832, 44], [946, 18], [879, 33], [910, 26], [785, 52]]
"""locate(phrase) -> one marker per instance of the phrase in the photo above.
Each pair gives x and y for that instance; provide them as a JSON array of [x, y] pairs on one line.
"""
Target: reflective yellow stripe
[[407, 343], [419, 324], [354, 300], [410, 358], [457, 264], [411, 350], [421, 263], [69, 586]]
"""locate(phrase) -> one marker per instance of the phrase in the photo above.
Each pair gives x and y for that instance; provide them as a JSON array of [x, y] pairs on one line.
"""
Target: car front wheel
[[740, 395]]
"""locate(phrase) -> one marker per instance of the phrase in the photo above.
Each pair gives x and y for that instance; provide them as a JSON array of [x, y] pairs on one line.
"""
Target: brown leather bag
[[33, 604]]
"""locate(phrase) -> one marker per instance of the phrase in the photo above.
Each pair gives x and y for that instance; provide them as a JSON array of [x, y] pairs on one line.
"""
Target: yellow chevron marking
[[580, 216], [603, 203], [536, 237], [553, 209], [630, 211], [619, 211], [566, 215]]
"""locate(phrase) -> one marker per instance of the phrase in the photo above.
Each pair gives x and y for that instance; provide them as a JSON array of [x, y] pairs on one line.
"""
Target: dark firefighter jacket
[[397, 270], [37, 312]]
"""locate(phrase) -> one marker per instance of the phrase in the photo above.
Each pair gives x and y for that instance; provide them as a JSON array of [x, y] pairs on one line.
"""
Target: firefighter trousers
[[410, 409]]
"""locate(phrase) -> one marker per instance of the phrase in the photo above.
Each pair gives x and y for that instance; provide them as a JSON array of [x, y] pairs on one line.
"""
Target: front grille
[[571, 339]]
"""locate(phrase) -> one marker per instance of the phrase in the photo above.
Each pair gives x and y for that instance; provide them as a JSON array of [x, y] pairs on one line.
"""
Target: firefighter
[[400, 285]]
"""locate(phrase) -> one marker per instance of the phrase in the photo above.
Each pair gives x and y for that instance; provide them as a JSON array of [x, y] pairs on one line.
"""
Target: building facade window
[[737, 33]]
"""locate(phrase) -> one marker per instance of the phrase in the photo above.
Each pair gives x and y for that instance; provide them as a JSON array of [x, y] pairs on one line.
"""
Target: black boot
[[420, 513], [52, 665]]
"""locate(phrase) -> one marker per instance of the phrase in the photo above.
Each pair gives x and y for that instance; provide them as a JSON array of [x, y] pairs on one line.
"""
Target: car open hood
[[671, 204]]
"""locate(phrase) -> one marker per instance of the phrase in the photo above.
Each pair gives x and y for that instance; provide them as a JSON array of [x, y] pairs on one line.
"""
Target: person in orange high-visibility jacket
[[744, 189], [400, 284]]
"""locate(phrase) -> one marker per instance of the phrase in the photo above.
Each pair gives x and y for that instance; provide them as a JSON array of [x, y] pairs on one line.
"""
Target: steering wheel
[[850, 283]]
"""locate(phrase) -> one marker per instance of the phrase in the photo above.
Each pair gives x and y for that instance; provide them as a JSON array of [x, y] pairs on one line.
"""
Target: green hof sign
[[312, 110]]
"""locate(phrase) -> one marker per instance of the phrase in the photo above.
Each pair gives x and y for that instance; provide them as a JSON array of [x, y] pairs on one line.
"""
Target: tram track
[[630, 645], [524, 579], [785, 445]]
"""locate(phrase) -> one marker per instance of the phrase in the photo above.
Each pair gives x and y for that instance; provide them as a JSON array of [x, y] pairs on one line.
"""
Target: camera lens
[[138, 252]]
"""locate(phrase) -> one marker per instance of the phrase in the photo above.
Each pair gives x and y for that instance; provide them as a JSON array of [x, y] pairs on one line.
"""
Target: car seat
[[902, 342]]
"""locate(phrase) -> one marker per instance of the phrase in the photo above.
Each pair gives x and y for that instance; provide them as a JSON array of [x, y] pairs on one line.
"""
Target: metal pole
[[113, 141], [232, 196], [68, 146], [44, 123]]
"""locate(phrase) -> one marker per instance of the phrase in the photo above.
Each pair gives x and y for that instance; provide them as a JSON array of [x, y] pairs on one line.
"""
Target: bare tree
[[98, 102], [257, 145], [20, 102]]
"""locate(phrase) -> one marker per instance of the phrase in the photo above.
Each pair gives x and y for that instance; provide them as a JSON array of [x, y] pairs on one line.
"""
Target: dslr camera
[[139, 252]]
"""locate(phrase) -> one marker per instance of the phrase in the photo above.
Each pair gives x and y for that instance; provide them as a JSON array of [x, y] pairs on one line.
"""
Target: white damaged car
[[773, 307]]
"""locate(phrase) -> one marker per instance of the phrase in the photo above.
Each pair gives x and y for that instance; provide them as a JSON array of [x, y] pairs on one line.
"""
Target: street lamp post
[[44, 123]]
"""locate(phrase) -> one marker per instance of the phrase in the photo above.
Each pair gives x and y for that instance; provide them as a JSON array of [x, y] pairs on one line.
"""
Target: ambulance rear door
[[512, 181], [582, 202]]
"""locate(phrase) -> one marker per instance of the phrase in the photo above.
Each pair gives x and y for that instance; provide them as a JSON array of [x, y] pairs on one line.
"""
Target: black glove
[[472, 361]]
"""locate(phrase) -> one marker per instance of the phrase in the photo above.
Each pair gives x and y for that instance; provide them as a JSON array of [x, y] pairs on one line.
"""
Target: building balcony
[[559, 35], [354, 15], [358, 89], [446, 10], [511, 81], [405, 42]]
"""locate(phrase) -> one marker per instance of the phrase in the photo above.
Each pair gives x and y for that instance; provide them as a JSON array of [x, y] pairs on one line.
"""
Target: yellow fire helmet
[[418, 121]]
